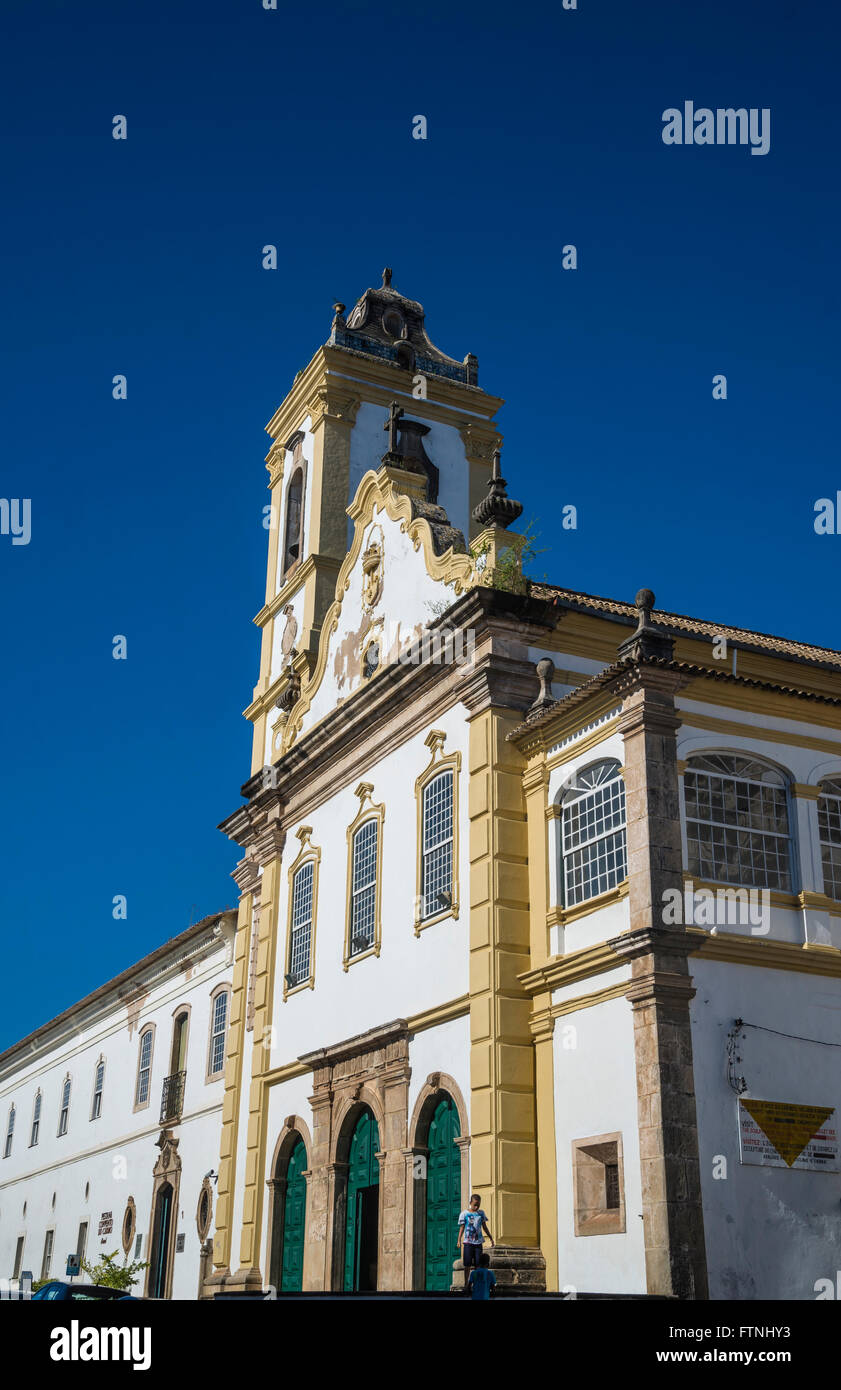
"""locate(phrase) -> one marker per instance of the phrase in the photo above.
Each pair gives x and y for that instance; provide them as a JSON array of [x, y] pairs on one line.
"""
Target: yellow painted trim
[[585, 743], [771, 955], [805, 791], [562, 916], [776, 899], [439, 762], [307, 854], [690, 720], [589, 1001], [368, 810], [567, 970]]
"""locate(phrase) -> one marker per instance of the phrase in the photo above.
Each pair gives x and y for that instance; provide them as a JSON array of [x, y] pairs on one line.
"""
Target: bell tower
[[378, 390]]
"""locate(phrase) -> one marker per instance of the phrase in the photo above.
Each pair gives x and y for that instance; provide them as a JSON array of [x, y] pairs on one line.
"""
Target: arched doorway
[[443, 1194], [160, 1246], [362, 1222], [294, 1221]]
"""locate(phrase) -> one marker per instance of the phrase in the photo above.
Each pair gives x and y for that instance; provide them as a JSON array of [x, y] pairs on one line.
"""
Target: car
[[59, 1289]]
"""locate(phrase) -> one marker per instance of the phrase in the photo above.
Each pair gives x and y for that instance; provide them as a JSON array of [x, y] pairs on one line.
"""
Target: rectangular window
[[300, 944], [437, 881], [138, 1246], [598, 1185], [18, 1257], [217, 1034], [64, 1114], [96, 1108], [36, 1121], [82, 1240], [364, 887], [10, 1133], [737, 830], [829, 829], [48, 1254], [594, 842], [144, 1069]]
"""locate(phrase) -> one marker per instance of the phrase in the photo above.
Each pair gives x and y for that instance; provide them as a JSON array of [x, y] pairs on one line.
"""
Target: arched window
[[144, 1068], [293, 534], [737, 821], [593, 845], [364, 887], [98, 1082], [64, 1112], [829, 823], [218, 1027], [437, 846], [10, 1132]]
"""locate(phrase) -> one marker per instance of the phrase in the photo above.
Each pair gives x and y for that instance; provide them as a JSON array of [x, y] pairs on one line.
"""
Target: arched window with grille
[[738, 827], [98, 1083], [363, 929], [593, 843], [299, 971], [829, 829], [64, 1111], [36, 1120], [437, 846]]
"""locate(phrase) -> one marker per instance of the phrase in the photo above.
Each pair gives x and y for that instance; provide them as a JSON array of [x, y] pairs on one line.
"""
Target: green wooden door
[[363, 1174], [443, 1196], [294, 1221]]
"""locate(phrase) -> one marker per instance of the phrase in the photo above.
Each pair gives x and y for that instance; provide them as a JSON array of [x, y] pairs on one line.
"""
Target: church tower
[[326, 434]]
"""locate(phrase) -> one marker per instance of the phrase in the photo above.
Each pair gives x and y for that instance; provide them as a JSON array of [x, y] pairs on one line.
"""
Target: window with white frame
[[829, 826], [48, 1254], [218, 1025], [10, 1132], [363, 910], [593, 842], [437, 850], [144, 1068], [737, 821], [36, 1120], [98, 1081], [64, 1112], [300, 943]]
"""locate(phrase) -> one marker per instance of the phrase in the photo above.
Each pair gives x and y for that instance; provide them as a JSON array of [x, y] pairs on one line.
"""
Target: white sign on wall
[[780, 1134]]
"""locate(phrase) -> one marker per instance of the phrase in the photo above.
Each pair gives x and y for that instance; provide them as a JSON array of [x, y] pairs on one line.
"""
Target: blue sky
[[142, 257]]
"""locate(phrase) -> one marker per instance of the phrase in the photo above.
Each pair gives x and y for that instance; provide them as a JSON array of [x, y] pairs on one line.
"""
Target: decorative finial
[[338, 315], [386, 284], [647, 642], [497, 509]]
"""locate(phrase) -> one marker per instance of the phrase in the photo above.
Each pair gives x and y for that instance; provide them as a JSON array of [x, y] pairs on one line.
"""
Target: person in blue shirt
[[472, 1228], [482, 1280]]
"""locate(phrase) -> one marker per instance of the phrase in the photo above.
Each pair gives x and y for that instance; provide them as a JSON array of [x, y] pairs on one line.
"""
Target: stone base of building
[[515, 1266], [222, 1281]]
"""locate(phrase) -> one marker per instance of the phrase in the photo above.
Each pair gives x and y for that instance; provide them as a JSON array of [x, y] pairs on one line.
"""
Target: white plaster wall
[[114, 1154], [412, 973], [596, 1093], [770, 1232], [443, 444]]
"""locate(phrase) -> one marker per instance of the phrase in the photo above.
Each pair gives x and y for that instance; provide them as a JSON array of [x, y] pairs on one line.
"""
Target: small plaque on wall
[[778, 1134], [106, 1223], [179, 1245]]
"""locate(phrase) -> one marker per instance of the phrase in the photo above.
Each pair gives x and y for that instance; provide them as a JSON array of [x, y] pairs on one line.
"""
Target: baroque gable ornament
[[372, 570]]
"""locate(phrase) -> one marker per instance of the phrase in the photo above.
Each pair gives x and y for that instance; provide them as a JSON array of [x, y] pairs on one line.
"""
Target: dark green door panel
[[443, 1195]]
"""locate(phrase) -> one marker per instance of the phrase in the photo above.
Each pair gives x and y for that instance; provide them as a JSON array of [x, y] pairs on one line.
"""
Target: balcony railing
[[172, 1099]]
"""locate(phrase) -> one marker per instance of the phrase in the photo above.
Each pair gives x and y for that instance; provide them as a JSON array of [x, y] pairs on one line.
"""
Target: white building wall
[[770, 1232], [98, 1164]]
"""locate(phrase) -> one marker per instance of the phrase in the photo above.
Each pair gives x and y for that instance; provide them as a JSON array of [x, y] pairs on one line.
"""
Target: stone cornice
[[568, 970]]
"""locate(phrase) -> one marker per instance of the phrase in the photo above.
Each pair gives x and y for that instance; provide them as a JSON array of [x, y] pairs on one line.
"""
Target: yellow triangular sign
[[789, 1127]]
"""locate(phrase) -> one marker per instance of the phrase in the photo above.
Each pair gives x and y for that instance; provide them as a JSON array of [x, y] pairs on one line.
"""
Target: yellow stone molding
[[805, 791], [439, 762], [775, 705], [589, 1001], [776, 899], [771, 955], [569, 969], [562, 916], [307, 854], [223, 1235], [368, 811]]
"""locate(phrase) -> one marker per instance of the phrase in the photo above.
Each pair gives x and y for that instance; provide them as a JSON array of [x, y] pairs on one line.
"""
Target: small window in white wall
[[364, 887], [437, 872], [300, 941], [64, 1112], [99, 1079], [144, 1068], [10, 1132], [593, 842], [48, 1254], [829, 824], [36, 1121], [737, 821], [219, 1021]]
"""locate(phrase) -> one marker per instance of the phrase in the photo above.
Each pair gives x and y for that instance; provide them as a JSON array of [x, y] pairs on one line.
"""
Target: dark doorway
[[159, 1256], [361, 1226], [368, 1199]]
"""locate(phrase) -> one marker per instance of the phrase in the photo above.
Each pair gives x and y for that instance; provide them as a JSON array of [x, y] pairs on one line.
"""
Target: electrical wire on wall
[[736, 1082]]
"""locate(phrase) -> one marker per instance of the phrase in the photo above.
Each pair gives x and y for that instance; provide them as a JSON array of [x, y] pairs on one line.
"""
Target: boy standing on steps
[[472, 1229]]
